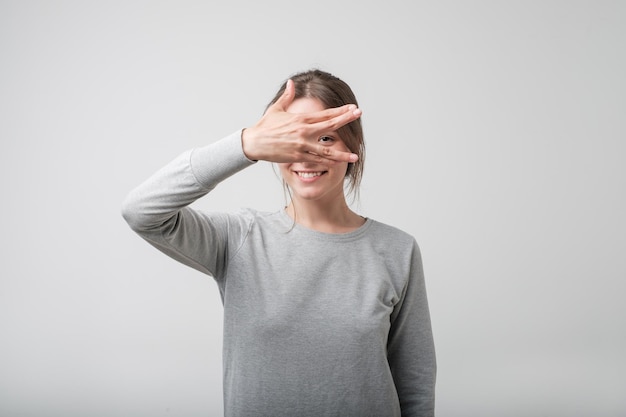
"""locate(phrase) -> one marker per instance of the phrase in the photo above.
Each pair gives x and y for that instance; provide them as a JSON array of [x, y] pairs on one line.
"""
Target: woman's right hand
[[280, 136]]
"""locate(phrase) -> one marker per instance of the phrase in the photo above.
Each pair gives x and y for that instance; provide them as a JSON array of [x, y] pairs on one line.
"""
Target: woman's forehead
[[305, 105]]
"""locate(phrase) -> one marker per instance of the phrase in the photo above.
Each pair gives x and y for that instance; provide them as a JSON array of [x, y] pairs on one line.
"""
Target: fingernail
[[357, 112], [351, 107], [354, 157]]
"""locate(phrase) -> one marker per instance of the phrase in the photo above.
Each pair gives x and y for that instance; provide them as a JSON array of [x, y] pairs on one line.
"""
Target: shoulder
[[394, 243], [253, 215], [256, 219], [391, 235], [398, 251]]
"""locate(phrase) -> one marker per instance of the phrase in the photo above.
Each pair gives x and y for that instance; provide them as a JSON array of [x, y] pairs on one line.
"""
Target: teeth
[[309, 174]]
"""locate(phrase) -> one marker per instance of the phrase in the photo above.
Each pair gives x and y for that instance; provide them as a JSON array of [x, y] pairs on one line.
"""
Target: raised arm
[[158, 208]]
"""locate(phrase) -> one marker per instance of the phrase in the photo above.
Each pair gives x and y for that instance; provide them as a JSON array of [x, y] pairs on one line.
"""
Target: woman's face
[[315, 181]]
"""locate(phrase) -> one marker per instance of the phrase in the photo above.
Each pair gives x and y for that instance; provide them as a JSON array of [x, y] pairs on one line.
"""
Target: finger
[[324, 154], [336, 122], [327, 114], [287, 97]]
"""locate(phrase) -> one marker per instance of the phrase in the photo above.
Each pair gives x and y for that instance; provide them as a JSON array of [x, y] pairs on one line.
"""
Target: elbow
[[143, 215], [131, 213]]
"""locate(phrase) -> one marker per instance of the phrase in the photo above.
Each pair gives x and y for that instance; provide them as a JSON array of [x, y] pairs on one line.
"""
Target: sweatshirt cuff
[[214, 163]]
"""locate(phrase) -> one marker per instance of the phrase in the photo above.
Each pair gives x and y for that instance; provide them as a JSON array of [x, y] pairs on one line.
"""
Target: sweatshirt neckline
[[296, 227]]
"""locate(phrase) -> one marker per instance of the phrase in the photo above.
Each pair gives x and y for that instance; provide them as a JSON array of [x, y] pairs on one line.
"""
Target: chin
[[306, 196]]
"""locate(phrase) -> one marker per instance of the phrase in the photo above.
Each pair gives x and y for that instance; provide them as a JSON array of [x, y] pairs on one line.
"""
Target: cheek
[[342, 169], [341, 146]]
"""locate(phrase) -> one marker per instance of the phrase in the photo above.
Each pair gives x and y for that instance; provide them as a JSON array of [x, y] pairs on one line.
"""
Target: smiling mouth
[[310, 174]]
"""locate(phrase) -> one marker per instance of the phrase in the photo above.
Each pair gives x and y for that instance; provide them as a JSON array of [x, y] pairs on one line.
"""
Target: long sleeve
[[158, 209], [411, 351], [314, 323]]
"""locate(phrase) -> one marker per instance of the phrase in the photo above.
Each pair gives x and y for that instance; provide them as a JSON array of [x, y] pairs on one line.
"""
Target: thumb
[[287, 97]]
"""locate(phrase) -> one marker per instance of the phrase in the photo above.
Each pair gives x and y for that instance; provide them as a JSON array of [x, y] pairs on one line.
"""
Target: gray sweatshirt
[[315, 324]]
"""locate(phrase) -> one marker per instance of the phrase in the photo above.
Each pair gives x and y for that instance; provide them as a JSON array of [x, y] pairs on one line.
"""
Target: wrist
[[245, 145]]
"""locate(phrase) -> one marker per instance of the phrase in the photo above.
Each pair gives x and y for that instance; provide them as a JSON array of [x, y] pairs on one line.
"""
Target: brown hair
[[333, 92]]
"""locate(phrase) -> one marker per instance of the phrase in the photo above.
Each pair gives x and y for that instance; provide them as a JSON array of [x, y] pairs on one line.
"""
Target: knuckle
[[301, 144], [301, 118], [300, 132], [333, 124]]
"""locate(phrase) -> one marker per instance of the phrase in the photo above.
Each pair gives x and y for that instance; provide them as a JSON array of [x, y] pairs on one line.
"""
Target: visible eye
[[326, 139]]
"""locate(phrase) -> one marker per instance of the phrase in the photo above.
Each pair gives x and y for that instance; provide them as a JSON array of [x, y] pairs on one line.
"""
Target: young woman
[[325, 311]]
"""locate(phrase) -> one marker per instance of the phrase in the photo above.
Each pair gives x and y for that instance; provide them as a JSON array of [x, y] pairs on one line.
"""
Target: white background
[[496, 135]]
